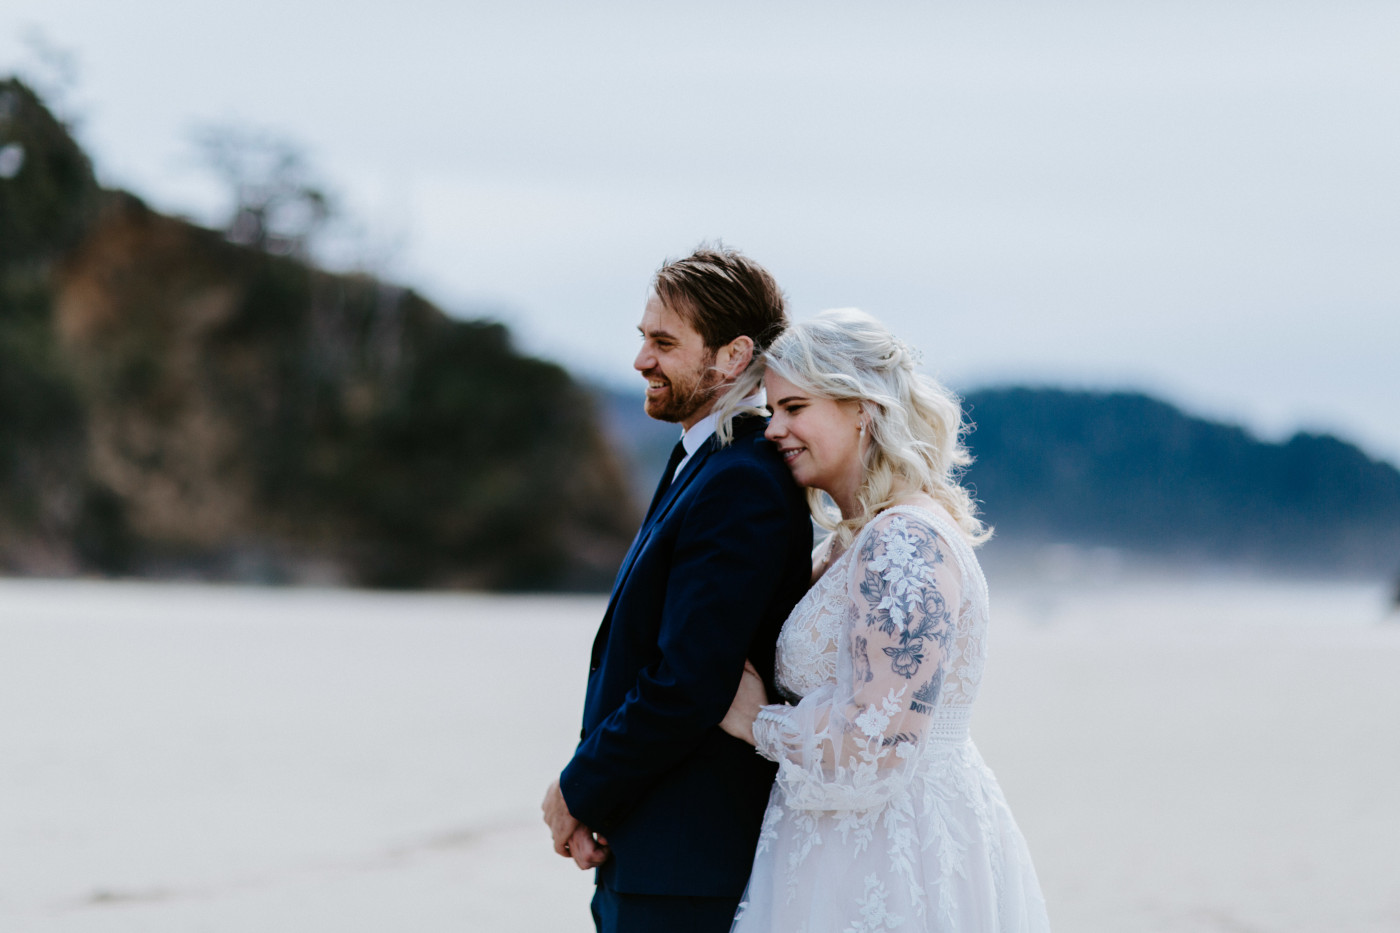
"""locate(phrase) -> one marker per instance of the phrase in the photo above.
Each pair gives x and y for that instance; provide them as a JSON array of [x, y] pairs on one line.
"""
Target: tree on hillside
[[52, 71], [278, 205]]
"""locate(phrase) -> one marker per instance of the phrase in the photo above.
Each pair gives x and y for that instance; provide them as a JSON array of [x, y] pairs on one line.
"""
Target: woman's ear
[[734, 357]]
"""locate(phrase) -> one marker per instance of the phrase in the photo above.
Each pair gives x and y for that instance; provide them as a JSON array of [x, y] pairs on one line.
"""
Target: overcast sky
[[1197, 199]]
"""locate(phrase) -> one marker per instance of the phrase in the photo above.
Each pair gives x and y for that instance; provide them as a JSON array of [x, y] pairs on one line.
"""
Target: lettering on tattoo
[[926, 697]]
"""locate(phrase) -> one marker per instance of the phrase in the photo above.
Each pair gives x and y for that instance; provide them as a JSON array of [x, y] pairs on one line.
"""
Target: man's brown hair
[[723, 294]]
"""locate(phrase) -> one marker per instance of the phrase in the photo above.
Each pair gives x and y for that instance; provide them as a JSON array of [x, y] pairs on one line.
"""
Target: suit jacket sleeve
[[727, 567]]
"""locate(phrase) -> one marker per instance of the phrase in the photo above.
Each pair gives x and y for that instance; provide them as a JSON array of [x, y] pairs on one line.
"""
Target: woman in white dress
[[883, 815]]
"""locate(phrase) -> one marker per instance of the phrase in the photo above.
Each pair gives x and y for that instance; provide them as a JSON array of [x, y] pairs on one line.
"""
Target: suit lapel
[[663, 508], [668, 499], [743, 425]]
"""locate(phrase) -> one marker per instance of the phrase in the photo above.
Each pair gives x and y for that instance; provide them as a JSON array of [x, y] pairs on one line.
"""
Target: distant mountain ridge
[[1127, 471]]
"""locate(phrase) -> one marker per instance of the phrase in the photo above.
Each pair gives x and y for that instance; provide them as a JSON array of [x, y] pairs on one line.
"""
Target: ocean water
[[1182, 754]]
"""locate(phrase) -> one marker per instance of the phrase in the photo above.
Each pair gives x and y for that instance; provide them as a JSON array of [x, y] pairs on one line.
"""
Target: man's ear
[[734, 357]]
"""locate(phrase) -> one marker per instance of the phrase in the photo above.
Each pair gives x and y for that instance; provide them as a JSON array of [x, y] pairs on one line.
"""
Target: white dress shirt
[[698, 433]]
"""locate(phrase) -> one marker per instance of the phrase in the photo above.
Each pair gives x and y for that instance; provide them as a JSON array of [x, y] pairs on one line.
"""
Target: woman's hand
[[738, 722]]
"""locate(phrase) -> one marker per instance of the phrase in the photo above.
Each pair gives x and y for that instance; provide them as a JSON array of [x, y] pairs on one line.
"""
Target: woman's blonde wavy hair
[[915, 424]]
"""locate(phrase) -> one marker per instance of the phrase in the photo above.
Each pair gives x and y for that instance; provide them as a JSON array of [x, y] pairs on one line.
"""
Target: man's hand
[[571, 838], [557, 817], [589, 851], [751, 697]]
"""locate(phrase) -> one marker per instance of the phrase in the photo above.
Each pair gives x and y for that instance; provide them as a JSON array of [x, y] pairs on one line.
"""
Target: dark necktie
[[677, 455]]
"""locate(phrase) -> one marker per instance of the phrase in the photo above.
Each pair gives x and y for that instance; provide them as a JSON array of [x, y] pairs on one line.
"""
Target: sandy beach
[[1198, 755]]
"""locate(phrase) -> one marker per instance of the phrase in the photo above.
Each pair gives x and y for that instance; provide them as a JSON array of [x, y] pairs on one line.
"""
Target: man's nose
[[645, 360]]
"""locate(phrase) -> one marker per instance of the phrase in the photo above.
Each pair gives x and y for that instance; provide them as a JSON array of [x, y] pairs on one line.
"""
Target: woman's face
[[819, 438]]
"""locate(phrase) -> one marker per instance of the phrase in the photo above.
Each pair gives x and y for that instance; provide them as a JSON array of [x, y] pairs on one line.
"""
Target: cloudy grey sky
[[1199, 199]]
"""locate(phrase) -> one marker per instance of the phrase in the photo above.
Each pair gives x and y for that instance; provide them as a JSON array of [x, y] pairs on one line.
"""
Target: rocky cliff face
[[214, 411]]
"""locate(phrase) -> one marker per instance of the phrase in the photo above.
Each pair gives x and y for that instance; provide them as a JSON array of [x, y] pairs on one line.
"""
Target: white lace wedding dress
[[883, 815]]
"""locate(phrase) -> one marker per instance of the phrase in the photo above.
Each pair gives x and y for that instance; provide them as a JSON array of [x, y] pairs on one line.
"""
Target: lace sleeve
[[852, 744]]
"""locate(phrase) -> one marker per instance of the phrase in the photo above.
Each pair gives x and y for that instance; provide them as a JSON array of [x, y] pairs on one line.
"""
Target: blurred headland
[[173, 404]]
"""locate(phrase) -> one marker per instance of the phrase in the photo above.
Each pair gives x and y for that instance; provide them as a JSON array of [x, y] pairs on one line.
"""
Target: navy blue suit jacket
[[709, 579]]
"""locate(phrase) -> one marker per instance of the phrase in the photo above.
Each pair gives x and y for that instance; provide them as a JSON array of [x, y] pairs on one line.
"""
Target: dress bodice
[[806, 653], [809, 645]]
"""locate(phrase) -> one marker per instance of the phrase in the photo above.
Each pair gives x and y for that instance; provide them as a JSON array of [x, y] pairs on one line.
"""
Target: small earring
[[861, 428]]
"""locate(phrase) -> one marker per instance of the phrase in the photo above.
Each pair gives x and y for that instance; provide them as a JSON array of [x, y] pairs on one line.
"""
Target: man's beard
[[686, 396]]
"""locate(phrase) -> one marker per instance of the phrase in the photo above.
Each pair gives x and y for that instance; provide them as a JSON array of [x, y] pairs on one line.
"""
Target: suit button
[[593, 669]]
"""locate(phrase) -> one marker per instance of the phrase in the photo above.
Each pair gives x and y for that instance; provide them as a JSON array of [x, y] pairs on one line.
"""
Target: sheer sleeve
[[852, 744]]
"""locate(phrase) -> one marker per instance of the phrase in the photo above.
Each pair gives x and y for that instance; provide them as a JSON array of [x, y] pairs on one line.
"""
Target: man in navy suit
[[663, 803]]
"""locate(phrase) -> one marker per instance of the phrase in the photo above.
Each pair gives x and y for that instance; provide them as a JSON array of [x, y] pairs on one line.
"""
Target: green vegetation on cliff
[[48, 196]]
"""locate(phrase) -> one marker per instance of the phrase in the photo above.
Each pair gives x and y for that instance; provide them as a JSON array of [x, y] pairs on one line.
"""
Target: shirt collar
[[699, 432]]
